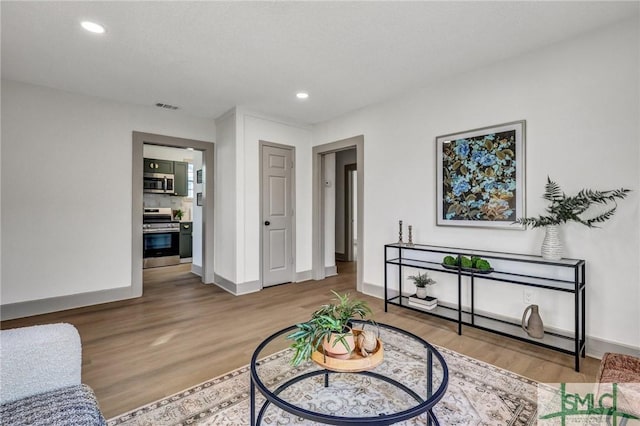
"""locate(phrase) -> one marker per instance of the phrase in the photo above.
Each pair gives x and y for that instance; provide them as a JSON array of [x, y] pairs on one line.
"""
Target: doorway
[[277, 207], [319, 214], [206, 246]]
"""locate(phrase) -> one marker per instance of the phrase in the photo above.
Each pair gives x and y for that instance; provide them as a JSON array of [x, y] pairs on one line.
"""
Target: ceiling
[[207, 57]]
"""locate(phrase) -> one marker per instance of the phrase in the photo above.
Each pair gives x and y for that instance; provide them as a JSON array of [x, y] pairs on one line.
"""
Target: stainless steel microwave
[[159, 183]]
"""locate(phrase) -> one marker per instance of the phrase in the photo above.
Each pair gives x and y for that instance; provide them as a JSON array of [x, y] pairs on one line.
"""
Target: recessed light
[[92, 27], [302, 95]]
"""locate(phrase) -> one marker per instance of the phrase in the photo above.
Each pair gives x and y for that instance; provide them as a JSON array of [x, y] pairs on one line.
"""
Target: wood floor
[[182, 332]]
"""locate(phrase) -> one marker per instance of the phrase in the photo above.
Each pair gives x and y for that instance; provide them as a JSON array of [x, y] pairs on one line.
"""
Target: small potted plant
[[563, 209], [422, 281], [329, 329]]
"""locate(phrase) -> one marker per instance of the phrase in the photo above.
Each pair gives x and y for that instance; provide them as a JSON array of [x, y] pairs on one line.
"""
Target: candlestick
[[400, 233], [410, 236]]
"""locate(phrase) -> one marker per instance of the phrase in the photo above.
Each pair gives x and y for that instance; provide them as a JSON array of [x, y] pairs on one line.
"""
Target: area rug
[[478, 394]]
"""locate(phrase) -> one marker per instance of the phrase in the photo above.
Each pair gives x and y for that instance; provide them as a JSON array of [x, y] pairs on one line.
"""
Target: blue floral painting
[[478, 178]]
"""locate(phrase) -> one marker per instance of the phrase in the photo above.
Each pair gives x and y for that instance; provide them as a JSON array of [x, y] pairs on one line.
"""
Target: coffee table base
[[387, 420]]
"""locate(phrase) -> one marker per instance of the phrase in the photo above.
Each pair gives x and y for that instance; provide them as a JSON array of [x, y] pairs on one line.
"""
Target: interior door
[[277, 215]]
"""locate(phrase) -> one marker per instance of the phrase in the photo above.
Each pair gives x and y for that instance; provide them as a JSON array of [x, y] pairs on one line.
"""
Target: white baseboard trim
[[62, 303], [330, 271], [304, 276], [249, 287], [234, 288], [373, 290], [595, 348], [196, 269]]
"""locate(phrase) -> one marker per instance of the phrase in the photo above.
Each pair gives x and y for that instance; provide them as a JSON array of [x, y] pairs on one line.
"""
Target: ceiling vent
[[166, 106]]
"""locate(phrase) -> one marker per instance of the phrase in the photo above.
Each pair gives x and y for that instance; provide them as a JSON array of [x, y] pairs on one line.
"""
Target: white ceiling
[[207, 57]]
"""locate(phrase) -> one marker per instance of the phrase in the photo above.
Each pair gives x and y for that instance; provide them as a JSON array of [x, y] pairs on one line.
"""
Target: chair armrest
[[38, 359]]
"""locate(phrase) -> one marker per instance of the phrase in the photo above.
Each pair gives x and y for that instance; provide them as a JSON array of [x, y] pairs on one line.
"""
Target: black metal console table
[[565, 275]]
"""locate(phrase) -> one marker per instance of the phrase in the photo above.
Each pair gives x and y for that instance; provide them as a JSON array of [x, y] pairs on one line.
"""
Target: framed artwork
[[199, 199], [199, 176], [480, 177]]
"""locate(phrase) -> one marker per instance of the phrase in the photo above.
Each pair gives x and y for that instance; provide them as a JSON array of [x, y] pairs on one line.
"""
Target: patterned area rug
[[478, 394]]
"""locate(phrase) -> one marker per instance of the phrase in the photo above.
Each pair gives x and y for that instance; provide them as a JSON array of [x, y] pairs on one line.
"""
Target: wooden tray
[[352, 365]]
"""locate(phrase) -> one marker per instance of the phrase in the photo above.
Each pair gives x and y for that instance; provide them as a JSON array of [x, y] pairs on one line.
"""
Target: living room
[[67, 224]]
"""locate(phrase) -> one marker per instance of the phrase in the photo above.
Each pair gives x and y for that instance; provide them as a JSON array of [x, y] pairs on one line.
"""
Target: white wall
[[342, 159], [197, 218], [580, 100], [329, 210], [66, 188], [226, 193], [251, 128]]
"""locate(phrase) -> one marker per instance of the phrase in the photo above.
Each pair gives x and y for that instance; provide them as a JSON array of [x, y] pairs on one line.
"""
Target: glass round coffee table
[[411, 379]]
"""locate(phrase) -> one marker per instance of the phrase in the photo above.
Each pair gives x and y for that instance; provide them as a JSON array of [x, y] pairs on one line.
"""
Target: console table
[[564, 275]]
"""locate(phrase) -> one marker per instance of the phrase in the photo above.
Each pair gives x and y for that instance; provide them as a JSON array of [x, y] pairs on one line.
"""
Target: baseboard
[[234, 288], [62, 303], [596, 347], [304, 276], [196, 269], [373, 290], [330, 271]]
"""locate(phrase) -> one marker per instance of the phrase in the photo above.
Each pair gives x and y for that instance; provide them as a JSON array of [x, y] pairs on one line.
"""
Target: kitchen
[[171, 222]]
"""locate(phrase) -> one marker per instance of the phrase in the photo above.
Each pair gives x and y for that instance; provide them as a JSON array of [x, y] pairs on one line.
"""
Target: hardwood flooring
[[181, 332]]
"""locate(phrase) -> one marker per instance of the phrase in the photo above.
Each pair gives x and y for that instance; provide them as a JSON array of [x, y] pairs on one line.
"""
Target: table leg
[[252, 392], [432, 420]]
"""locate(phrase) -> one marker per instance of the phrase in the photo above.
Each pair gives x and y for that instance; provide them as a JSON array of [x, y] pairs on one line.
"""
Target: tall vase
[[551, 245]]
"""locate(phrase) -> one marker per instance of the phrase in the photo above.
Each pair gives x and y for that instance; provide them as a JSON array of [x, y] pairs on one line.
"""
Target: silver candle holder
[[410, 242]]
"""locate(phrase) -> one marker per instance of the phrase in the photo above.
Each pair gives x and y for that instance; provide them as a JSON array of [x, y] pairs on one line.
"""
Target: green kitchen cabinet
[[186, 239], [180, 175], [152, 165]]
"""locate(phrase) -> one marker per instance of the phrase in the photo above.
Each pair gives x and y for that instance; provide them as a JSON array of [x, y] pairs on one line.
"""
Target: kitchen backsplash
[[175, 203]]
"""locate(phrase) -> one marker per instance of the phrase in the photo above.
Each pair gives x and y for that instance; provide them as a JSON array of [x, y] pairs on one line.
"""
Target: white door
[[277, 216]]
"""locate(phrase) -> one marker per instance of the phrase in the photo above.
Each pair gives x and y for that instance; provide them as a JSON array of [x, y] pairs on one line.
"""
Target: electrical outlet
[[528, 295]]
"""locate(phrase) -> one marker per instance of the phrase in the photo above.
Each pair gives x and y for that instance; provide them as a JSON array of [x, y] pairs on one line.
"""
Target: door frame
[[348, 211], [318, 218], [137, 206], [292, 189]]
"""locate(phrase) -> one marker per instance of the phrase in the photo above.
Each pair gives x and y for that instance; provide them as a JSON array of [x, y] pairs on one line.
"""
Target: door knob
[[267, 223]]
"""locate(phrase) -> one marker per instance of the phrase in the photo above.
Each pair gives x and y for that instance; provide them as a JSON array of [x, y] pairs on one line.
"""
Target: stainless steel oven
[[161, 238]]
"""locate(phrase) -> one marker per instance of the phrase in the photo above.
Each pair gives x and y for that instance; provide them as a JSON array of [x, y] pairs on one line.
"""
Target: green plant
[[450, 260], [178, 214], [328, 319], [422, 280], [563, 208], [473, 262]]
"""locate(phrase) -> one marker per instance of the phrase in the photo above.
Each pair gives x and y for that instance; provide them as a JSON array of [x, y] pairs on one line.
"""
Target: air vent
[[166, 106]]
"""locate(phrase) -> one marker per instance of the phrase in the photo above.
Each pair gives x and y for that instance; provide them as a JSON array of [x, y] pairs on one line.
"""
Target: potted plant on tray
[[328, 329], [422, 281], [563, 209]]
